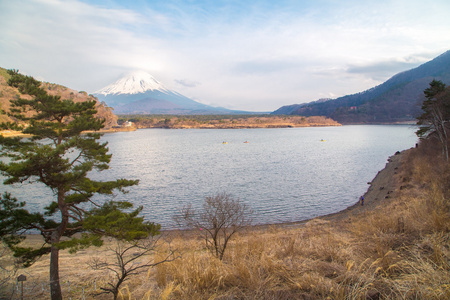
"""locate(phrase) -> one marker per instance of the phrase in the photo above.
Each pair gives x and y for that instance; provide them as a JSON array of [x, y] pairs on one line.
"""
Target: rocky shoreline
[[382, 189]]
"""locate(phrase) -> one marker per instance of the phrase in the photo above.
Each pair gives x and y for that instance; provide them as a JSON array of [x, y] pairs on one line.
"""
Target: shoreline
[[12, 133], [250, 126], [381, 189]]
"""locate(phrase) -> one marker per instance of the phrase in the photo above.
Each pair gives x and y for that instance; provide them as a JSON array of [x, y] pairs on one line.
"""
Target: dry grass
[[400, 250]]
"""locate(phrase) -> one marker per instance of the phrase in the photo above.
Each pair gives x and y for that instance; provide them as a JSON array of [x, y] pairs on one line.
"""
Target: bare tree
[[220, 218], [130, 258]]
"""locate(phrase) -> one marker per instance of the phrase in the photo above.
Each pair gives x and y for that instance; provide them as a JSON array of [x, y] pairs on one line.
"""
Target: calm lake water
[[284, 175]]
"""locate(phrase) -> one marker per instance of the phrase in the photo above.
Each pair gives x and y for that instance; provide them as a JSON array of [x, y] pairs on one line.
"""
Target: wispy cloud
[[187, 83], [380, 70], [263, 67]]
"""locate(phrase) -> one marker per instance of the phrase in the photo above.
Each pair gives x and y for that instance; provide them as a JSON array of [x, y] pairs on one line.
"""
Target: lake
[[283, 174]]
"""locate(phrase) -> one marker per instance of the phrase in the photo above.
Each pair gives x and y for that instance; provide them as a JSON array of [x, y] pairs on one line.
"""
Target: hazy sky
[[249, 55]]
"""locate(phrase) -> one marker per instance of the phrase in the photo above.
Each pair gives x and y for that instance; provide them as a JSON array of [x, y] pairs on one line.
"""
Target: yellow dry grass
[[400, 250]]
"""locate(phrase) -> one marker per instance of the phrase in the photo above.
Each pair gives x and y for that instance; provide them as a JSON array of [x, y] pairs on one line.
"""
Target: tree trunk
[[55, 287], [117, 287]]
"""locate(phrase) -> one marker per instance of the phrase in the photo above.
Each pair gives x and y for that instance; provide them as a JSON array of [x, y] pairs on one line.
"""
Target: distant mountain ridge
[[140, 93], [396, 100]]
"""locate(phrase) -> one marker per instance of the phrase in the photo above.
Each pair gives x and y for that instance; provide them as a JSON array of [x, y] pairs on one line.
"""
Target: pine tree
[[63, 148]]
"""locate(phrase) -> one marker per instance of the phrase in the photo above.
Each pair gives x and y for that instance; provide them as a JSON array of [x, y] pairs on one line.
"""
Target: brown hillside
[[7, 93]]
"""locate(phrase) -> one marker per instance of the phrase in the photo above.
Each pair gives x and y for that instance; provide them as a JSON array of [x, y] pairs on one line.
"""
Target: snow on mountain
[[133, 83]]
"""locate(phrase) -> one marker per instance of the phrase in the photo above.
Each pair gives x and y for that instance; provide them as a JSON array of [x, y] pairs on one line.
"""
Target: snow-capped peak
[[133, 83]]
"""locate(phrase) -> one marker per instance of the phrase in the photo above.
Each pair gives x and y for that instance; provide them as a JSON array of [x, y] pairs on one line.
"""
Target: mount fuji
[[140, 93]]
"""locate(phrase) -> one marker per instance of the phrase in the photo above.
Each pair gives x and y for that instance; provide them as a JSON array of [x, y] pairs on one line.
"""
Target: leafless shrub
[[220, 218], [130, 258]]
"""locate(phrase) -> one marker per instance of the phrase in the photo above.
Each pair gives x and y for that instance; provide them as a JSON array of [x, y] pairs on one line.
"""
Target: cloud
[[66, 39], [187, 83], [380, 70], [245, 55], [264, 67]]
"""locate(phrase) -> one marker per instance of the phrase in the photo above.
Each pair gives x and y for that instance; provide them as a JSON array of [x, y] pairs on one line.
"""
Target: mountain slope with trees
[[396, 100]]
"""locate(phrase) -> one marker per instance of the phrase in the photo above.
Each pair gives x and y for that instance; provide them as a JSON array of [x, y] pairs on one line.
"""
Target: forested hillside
[[397, 100]]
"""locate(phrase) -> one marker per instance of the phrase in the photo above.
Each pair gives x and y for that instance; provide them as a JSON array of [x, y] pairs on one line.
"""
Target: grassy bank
[[399, 249]]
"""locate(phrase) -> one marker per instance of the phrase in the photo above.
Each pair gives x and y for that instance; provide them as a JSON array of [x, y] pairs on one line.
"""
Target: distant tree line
[[224, 121], [198, 118]]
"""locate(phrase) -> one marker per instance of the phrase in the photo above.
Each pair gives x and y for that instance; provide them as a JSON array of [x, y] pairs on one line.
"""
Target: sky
[[245, 55]]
